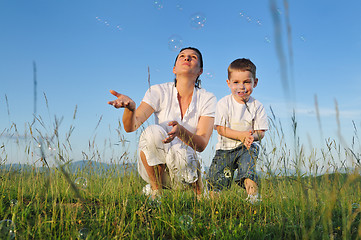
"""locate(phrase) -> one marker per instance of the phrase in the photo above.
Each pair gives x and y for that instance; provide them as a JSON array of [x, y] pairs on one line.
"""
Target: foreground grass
[[45, 206], [50, 205]]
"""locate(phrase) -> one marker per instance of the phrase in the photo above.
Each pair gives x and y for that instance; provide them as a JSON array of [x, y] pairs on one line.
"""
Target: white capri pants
[[182, 161]]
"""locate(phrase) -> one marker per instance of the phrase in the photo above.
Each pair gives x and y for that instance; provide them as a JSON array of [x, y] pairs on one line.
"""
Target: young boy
[[241, 122]]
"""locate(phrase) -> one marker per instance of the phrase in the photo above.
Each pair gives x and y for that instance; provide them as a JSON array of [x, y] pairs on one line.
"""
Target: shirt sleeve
[[209, 107], [153, 97], [261, 119], [222, 118]]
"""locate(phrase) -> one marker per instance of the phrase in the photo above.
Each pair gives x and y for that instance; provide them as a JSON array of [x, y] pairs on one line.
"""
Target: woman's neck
[[185, 87]]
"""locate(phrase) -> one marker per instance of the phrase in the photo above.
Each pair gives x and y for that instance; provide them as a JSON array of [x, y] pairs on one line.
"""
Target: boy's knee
[[220, 175], [217, 181]]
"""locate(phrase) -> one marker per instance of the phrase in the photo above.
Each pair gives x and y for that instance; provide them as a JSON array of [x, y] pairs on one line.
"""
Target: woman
[[184, 117]]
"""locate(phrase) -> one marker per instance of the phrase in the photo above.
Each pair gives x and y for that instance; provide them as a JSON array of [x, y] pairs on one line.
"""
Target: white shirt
[[236, 116], [163, 99]]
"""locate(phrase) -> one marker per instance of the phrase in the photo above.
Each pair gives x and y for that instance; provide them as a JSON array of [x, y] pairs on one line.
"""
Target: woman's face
[[188, 62]]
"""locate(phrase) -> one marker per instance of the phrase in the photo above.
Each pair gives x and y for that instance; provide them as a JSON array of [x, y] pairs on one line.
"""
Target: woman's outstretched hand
[[123, 101], [175, 132]]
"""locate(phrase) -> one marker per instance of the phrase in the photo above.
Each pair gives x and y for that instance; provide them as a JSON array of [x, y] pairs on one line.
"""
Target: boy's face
[[241, 84]]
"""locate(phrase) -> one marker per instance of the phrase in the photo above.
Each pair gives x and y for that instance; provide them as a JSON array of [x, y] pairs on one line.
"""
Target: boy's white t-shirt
[[236, 116], [163, 98]]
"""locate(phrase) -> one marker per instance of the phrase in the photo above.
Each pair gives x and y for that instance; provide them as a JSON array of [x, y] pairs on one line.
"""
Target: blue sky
[[82, 49]]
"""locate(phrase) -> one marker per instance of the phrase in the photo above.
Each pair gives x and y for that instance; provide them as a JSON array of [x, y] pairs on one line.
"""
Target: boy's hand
[[248, 140], [123, 101], [174, 132]]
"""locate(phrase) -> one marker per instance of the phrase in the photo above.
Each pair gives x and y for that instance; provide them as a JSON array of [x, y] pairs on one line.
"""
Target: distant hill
[[77, 166], [100, 167], [90, 166], [16, 167]]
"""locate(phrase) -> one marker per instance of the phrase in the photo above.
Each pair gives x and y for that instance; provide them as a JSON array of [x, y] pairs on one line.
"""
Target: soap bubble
[[7, 229], [105, 22], [46, 149], [267, 39], [186, 222], [179, 7], [110, 25], [243, 15], [13, 202], [81, 182], [208, 75], [83, 233], [198, 20], [249, 19], [158, 4], [154, 203], [216, 232], [175, 42], [355, 207]]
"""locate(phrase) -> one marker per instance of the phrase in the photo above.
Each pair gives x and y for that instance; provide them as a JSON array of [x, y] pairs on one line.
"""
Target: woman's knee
[[152, 146], [153, 134]]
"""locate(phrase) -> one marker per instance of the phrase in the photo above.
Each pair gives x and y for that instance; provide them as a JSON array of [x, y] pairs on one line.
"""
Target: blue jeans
[[225, 162]]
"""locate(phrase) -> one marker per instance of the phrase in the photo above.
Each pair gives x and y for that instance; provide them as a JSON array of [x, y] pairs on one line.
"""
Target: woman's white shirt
[[163, 99]]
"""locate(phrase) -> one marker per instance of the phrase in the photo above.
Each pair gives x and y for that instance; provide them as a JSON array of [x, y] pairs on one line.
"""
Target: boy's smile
[[241, 84]]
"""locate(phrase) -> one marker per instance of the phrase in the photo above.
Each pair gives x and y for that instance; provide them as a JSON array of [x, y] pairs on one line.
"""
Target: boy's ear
[[255, 82], [228, 82]]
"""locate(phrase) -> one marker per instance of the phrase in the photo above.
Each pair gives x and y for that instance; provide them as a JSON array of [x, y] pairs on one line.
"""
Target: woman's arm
[[197, 141], [132, 118]]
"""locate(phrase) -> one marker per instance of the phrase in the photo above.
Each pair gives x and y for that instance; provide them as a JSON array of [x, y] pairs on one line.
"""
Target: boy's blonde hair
[[242, 64]]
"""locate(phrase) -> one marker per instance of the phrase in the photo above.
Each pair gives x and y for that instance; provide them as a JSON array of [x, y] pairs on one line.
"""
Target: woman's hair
[[198, 81]]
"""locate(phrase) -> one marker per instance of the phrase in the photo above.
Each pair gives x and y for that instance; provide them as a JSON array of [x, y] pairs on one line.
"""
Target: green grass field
[[43, 206], [297, 204]]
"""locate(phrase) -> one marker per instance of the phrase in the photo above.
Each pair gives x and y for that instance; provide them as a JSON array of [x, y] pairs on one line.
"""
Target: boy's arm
[[258, 134], [231, 133], [246, 137]]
